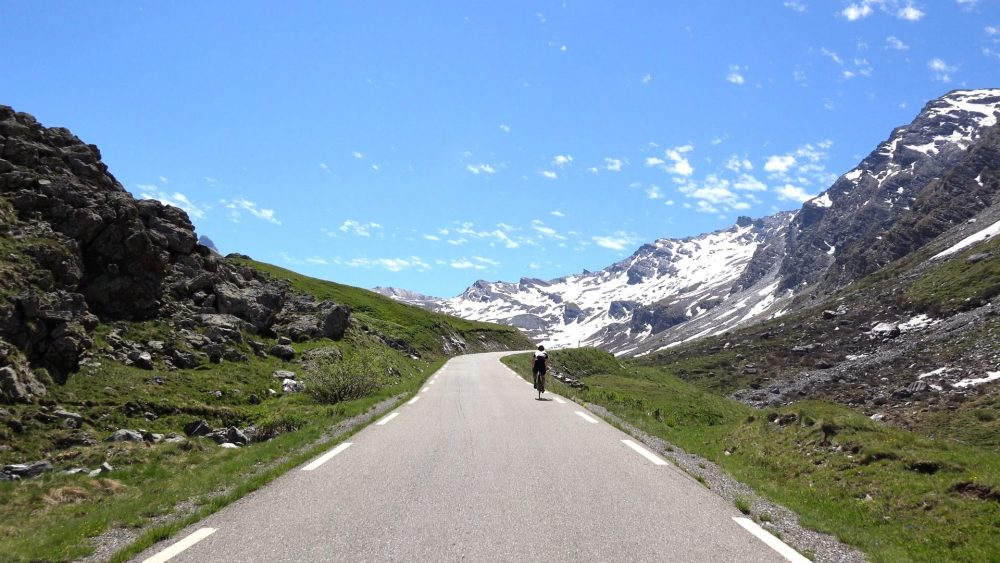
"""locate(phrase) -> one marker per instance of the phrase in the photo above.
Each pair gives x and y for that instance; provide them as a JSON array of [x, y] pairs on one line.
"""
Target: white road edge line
[[413, 400], [644, 452], [326, 457], [586, 417], [774, 543], [560, 401], [425, 389], [177, 548], [387, 419]]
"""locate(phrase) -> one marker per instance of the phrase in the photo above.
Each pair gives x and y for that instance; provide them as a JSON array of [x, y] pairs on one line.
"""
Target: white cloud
[[237, 205], [856, 12], [376, 167], [324, 167], [619, 240], [432, 237], [681, 165], [647, 78], [318, 261], [546, 231], [358, 228], [942, 70], [211, 180], [796, 5], [481, 169], [896, 44], [613, 164], [737, 164], [391, 264], [505, 128], [557, 213], [909, 13], [847, 74], [164, 180], [799, 76], [832, 54], [779, 163], [176, 199], [357, 154], [654, 161], [748, 183], [735, 74], [991, 30], [562, 160], [793, 193], [549, 174], [654, 192], [464, 264]]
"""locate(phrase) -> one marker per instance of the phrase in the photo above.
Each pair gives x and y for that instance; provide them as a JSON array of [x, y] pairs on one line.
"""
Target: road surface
[[476, 469]]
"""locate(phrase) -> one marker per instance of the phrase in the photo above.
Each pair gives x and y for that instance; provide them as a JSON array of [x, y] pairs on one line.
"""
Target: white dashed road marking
[[413, 400], [326, 457], [180, 546], [644, 452], [560, 401], [586, 417], [774, 543], [385, 420]]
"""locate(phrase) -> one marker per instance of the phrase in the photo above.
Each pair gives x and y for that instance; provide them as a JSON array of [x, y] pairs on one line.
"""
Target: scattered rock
[[125, 435], [197, 428], [28, 470], [284, 374], [141, 360], [292, 386], [283, 351]]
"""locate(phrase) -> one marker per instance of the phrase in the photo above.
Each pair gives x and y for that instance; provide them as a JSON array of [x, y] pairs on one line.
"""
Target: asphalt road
[[476, 469]]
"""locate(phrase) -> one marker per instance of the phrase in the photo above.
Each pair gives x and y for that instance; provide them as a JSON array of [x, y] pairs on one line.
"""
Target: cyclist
[[538, 369]]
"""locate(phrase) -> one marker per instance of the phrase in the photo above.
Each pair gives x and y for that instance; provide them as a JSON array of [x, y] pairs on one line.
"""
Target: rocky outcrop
[[79, 250]]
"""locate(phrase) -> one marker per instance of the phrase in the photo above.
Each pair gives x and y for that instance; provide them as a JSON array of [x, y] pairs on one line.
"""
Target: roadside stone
[[236, 436], [228, 445], [336, 321], [292, 386], [284, 341], [284, 374]]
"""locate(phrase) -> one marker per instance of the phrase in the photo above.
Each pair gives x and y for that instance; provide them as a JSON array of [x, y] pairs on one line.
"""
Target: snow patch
[[822, 200], [972, 382], [918, 322], [970, 240]]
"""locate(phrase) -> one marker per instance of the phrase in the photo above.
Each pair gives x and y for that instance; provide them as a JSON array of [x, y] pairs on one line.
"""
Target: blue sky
[[427, 146]]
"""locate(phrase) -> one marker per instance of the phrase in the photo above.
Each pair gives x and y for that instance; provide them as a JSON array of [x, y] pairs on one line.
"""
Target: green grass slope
[[53, 517]]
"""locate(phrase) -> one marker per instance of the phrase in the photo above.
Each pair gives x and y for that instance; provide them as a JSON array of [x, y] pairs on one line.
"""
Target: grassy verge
[[891, 493], [389, 351]]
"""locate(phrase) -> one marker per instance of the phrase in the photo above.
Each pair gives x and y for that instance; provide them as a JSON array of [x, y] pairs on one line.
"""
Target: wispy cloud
[[481, 169], [211, 180], [391, 264], [505, 128], [796, 5], [856, 12], [546, 231], [902, 9], [475, 263], [562, 160], [176, 199], [647, 78], [779, 163], [793, 193], [736, 74], [238, 206], [942, 70], [618, 240], [895, 43], [549, 174], [557, 213], [358, 228], [324, 167], [357, 154], [613, 164]]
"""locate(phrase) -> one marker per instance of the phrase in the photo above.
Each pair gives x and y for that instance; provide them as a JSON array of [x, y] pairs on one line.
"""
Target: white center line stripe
[[774, 543], [413, 400], [387, 419], [586, 417], [326, 457], [560, 401], [425, 389], [180, 546], [644, 452]]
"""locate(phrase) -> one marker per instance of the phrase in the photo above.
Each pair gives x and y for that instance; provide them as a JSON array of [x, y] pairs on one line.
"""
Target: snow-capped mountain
[[614, 308], [931, 179]]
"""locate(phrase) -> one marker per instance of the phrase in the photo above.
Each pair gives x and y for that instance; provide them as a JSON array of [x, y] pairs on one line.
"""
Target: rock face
[[79, 249]]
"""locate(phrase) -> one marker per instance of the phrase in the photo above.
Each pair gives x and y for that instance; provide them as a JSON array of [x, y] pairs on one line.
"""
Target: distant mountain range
[[936, 178]]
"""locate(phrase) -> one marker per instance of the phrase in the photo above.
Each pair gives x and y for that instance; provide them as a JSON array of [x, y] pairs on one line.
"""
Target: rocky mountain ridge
[[79, 251], [934, 179]]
